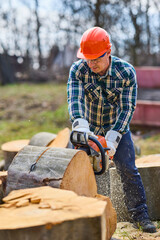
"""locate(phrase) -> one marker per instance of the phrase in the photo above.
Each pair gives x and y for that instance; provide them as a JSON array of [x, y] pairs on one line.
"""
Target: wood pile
[[51, 193]]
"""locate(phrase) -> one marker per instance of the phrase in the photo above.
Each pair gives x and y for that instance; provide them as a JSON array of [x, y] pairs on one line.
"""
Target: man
[[102, 93]]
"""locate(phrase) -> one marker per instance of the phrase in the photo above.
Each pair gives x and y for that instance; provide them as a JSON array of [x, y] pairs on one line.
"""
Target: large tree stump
[[57, 167], [48, 213], [149, 169]]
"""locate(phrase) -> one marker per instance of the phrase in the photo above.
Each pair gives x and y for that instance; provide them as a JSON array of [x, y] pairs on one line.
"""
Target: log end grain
[[148, 161], [14, 146], [79, 176]]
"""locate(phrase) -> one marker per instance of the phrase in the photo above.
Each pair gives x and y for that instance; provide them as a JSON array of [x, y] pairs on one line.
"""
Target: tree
[[38, 26]]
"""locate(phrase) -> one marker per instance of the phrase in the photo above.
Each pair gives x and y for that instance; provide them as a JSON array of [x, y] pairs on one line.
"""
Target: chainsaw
[[94, 146]]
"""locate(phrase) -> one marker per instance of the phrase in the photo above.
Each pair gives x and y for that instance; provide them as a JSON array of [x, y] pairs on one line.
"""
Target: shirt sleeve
[[128, 99], [75, 94]]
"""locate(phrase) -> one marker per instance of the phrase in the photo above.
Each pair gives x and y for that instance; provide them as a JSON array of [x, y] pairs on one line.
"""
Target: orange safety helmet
[[94, 43]]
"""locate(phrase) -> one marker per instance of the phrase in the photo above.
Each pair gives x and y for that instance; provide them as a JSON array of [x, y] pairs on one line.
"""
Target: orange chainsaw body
[[102, 140]]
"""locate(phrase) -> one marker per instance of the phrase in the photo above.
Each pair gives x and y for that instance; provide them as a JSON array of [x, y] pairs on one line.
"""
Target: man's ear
[[109, 52]]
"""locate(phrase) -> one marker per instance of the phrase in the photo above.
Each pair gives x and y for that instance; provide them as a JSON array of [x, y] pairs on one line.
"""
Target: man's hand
[[80, 125], [112, 138]]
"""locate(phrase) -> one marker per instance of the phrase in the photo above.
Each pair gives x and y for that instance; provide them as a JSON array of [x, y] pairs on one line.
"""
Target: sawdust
[[126, 231]]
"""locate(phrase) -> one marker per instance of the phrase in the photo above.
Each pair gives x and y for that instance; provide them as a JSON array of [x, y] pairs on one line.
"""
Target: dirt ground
[[126, 231]]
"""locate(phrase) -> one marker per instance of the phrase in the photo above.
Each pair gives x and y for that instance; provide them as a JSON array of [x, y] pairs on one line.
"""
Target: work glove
[[112, 139], [82, 125]]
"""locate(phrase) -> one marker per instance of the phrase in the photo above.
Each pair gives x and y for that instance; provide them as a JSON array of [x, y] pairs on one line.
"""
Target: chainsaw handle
[[102, 151]]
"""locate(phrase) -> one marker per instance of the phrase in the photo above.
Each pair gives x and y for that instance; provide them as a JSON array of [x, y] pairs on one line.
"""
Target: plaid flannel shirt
[[107, 102]]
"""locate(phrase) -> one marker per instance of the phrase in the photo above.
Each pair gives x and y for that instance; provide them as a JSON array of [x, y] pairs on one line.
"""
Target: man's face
[[100, 65]]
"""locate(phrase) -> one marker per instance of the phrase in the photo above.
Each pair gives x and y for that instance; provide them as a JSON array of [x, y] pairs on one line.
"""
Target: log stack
[[48, 213]]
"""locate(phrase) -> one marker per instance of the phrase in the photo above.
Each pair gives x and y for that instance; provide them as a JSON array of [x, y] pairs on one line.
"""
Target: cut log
[[3, 178], [50, 213], [10, 149], [62, 140], [42, 139], [57, 167], [111, 216]]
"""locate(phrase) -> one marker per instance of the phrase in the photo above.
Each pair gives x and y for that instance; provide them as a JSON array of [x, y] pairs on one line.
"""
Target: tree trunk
[[57, 167]]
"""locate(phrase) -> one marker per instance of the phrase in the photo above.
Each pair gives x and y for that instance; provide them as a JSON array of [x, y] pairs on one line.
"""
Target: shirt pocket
[[92, 91], [112, 95]]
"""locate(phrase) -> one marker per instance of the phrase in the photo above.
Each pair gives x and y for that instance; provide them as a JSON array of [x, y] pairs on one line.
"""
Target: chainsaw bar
[[80, 141]]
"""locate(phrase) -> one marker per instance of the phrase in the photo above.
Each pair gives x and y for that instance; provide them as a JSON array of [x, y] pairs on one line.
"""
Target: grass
[[158, 224], [28, 109], [149, 145]]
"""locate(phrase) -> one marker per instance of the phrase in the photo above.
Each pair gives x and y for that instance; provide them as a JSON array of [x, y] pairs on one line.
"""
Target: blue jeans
[[124, 160]]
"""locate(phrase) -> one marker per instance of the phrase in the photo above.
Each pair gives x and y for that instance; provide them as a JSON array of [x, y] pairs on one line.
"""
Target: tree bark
[[42, 139]]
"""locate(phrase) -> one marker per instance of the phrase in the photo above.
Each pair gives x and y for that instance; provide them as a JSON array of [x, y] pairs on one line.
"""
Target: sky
[[48, 11]]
